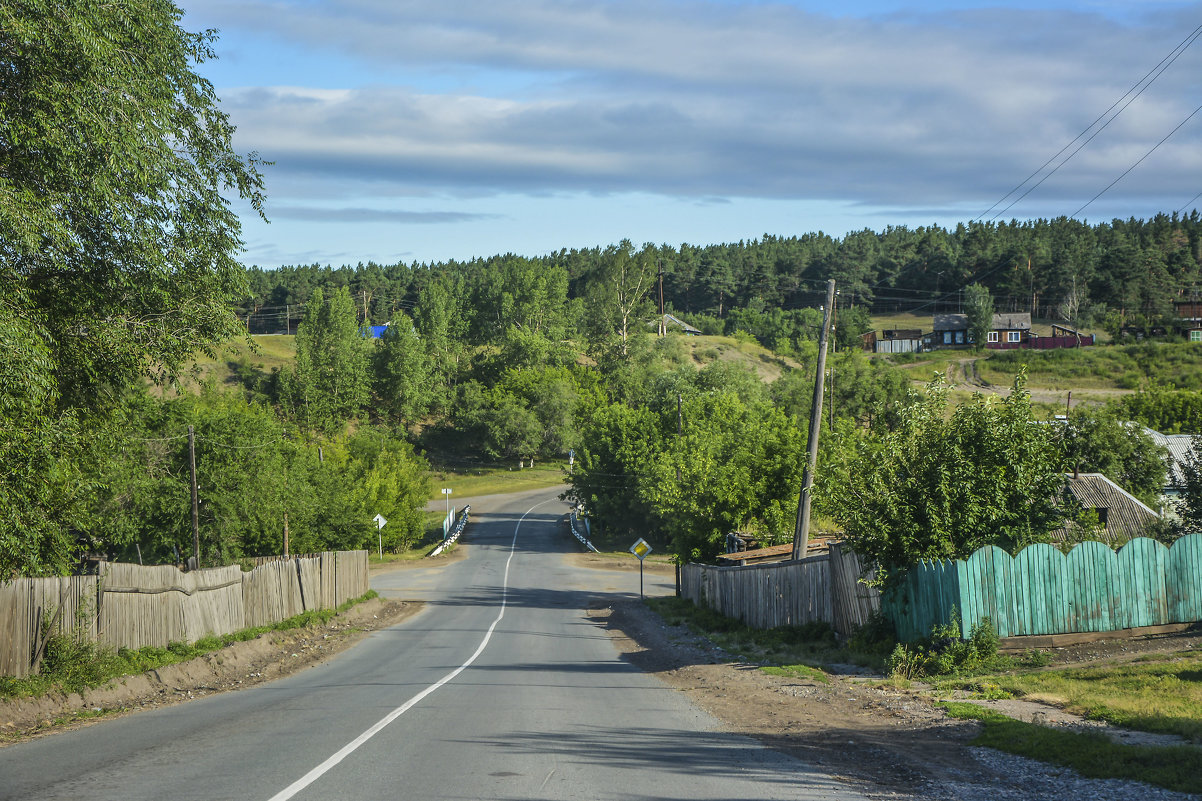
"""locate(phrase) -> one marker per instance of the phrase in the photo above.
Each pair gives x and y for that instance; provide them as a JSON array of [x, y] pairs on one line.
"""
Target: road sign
[[380, 521], [641, 549]]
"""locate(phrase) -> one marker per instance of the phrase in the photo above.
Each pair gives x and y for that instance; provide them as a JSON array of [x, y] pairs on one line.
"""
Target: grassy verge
[[1093, 755], [787, 648], [1155, 694], [419, 550], [72, 666], [492, 480]]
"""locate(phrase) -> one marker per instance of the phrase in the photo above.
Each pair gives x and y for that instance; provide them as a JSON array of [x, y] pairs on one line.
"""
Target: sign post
[[446, 521], [640, 549], [380, 521]]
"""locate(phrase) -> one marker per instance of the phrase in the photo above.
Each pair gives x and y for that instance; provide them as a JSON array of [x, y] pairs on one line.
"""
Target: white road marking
[[348, 749]]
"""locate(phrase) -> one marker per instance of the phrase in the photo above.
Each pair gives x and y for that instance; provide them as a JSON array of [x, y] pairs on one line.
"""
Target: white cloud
[[699, 99]]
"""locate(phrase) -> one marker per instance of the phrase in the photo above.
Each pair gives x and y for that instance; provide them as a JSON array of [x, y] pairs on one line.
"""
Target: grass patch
[[493, 480], [72, 665], [797, 672], [813, 644], [1093, 755], [418, 550], [1174, 364], [1163, 695]]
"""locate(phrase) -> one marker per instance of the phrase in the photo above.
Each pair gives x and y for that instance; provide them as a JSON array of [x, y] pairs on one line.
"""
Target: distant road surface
[[500, 689]]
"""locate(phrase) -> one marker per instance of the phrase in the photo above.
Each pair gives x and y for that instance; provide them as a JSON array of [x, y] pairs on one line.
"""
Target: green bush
[[945, 653]]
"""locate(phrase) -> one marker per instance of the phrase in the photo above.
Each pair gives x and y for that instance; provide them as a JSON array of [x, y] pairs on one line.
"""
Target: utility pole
[[195, 503], [801, 534], [288, 318], [663, 327], [285, 533], [834, 347]]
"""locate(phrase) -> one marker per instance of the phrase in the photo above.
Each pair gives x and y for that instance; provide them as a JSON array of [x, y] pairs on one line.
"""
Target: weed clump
[[946, 653]]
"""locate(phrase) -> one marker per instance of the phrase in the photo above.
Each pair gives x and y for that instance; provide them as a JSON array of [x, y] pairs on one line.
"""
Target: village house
[[1121, 516], [1179, 447], [1189, 319], [1010, 330]]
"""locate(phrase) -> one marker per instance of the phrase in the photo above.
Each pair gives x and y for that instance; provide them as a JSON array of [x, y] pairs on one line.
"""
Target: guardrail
[[456, 530], [576, 533]]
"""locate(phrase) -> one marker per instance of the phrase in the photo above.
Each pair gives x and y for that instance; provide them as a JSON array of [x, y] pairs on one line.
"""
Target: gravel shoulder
[[889, 743]]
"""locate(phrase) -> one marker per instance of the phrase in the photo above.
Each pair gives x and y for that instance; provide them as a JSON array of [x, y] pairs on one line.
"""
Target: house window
[[993, 336], [1195, 336], [947, 337], [1013, 336], [959, 337]]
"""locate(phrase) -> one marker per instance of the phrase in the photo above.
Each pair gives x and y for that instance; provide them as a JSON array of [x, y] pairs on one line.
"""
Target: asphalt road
[[500, 689]]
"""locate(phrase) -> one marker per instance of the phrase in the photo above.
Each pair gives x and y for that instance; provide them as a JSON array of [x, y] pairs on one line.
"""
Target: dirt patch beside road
[[876, 737], [888, 743], [244, 664]]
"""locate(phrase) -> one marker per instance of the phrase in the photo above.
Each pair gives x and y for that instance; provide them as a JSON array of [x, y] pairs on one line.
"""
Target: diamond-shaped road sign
[[640, 549]]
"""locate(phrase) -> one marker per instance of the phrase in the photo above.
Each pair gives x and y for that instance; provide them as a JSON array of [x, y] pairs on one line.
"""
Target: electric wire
[[1159, 69], [1189, 202], [1138, 162]]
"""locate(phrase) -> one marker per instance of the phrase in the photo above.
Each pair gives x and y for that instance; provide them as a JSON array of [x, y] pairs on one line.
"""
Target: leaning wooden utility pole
[[801, 534], [195, 505]]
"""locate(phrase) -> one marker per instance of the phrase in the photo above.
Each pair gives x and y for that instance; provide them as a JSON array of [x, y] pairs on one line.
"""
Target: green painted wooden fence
[[1044, 591]]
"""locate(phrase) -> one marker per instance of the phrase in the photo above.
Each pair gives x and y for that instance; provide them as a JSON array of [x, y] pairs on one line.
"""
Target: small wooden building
[[898, 340], [1009, 331], [949, 331], [1189, 316]]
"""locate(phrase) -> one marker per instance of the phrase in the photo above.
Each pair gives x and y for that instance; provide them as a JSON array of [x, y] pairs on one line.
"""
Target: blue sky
[[425, 130]]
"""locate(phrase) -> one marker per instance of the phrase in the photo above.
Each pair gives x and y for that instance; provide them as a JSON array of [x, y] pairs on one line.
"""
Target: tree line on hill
[[1112, 274]]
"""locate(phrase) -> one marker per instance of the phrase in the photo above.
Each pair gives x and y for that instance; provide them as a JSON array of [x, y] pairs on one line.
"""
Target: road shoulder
[[244, 664]]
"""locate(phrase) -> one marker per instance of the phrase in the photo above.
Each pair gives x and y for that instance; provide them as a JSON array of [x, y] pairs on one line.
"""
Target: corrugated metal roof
[[950, 322], [1014, 321], [1178, 446], [1125, 516], [688, 329]]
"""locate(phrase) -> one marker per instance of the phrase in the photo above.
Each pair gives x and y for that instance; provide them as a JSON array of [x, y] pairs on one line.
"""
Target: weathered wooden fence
[[1041, 591], [825, 587], [1044, 591], [131, 606]]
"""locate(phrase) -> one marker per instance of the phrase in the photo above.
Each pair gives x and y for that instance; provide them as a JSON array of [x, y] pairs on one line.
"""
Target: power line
[[1146, 81], [1137, 163], [1189, 202]]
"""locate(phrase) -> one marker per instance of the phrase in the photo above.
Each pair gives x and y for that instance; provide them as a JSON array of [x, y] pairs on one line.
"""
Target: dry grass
[[1160, 694]]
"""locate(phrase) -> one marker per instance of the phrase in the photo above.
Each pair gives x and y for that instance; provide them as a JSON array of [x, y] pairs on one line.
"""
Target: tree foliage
[[700, 459], [330, 382], [1096, 441], [1169, 411], [114, 157], [942, 485], [402, 375], [978, 306], [1189, 507], [117, 243]]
